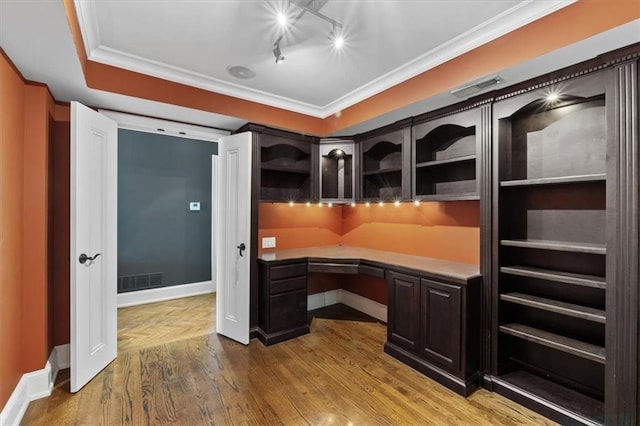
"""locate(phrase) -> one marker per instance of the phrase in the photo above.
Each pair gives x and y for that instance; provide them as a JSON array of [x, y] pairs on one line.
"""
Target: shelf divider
[[557, 246], [555, 341], [569, 309], [446, 161], [596, 177], [557, 276]]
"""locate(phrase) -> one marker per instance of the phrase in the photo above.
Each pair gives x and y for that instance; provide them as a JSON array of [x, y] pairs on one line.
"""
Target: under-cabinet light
[[381, 204], [353, 204], [368, 204], [330, 205], [290, 203], [396, 203], [308, 204], [416, 203]]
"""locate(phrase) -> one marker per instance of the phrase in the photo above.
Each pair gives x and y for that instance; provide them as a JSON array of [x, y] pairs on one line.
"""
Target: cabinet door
[[403, 310], [288, 310], [440, 331]]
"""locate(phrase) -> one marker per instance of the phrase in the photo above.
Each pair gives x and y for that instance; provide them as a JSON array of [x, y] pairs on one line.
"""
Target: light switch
[[269, 242], [194, 206]]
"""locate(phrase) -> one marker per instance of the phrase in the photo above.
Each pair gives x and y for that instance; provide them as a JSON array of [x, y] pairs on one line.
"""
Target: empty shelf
[[382, 171], [557, 276], [555, 395], [556, 180], [449, 197], [557, 245], [301, 171], [555, 341], [446, 161], [550, 305]]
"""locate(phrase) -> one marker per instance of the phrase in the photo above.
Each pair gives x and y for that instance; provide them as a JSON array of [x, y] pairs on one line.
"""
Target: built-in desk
[[433, 305]]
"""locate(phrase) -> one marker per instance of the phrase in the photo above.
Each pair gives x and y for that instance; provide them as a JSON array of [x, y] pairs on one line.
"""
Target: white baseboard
[[357, 302], [320, 300], [142, 297], [362, 304], [34, 385]]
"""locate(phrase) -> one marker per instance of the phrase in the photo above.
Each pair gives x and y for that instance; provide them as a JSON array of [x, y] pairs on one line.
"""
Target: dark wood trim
[[623, 200], [255, 200], [400, 124], [456, 384], [272, 338], [484, 170], [537, 404], [258, 128]]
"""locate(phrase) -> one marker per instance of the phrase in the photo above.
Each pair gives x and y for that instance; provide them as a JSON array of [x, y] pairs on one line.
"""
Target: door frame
[[176, 129]]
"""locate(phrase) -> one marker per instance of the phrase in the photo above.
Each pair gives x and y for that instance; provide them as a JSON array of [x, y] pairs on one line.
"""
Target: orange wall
[[442, 230], [12, 110], [26, 113]]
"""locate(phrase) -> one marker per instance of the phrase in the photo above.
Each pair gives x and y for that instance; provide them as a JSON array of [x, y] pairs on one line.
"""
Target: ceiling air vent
[[477, 86]]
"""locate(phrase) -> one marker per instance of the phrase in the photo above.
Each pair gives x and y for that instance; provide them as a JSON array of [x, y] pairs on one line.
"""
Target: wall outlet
[[269, 242], [194, 206]]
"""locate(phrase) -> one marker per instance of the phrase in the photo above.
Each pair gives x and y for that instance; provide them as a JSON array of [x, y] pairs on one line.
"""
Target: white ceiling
[[387, 41], [36, 36]]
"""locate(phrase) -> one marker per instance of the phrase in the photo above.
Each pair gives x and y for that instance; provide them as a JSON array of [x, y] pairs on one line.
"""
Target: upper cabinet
[[444, 157], [288, 165], [385, 164], [338, 165]]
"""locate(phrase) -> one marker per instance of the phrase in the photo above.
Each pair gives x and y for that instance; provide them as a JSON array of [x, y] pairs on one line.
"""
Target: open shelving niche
[[551, 241], [285, 169], [445, 151], [384, 163]]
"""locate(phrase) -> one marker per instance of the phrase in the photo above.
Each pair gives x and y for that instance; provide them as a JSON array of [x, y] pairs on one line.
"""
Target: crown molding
[[512, 19]]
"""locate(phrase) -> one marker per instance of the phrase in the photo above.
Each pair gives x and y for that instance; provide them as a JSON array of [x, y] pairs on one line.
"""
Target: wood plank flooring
[[337, 374]]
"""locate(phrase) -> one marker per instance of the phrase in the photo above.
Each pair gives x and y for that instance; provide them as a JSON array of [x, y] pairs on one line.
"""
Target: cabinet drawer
[[333, 268], [290, 284], [371, 270], [288, 271], [288, 310]]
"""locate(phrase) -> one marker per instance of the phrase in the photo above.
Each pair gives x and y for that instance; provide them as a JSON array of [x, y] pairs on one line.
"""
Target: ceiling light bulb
[[552, 97], [338, 41], [282, 19]]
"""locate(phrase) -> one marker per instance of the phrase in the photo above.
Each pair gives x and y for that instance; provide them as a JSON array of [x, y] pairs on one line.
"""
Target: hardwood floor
[[337, 374]]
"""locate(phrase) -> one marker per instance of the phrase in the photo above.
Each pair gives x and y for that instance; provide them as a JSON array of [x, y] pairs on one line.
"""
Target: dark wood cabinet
[[403, 310], [445, 151], [338, 168], [441, 315], [434, 327], [287, 163], [283, 301], [385, 163]]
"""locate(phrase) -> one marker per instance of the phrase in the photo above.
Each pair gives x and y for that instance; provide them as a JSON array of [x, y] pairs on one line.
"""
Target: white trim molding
[[355, 301], [142, 297], [518, 16], [34, 385]]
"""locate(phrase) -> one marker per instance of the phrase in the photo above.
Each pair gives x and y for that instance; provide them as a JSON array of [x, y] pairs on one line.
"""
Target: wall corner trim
[[142, 297], [34, 385]]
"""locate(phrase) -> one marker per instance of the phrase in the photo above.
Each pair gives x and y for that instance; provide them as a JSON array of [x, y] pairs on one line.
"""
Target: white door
[[94, 180], [232, 220]]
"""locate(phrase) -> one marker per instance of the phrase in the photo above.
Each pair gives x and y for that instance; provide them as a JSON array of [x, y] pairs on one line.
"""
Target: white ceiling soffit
[[517, 16]]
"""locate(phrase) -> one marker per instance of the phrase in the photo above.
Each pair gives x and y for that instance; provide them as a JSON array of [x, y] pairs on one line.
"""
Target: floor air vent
[[139, 282]]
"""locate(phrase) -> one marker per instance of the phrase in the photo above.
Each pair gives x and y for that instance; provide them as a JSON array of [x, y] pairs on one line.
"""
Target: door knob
[[241, 247], [83, 258]]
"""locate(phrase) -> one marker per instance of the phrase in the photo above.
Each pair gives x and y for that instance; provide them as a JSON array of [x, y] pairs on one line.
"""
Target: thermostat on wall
[[194, 206]]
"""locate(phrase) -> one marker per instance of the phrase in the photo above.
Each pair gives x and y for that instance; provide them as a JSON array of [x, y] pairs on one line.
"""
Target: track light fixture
[[312, 7], [277, 53]]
